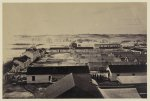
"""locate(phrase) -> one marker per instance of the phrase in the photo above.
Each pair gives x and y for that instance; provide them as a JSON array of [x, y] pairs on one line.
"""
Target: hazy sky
[[74, 18]]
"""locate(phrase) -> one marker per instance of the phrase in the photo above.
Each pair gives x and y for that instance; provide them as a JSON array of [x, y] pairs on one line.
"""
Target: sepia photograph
[[78, 50]]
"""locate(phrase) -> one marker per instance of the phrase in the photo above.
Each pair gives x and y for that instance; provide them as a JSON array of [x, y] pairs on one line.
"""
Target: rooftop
[[59, 59], [73, 86], [127, 68], [132, 79], [120, 93], [57, 70]]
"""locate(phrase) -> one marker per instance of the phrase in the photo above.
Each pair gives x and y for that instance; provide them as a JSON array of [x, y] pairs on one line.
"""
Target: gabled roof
[[75, 85], [127, 68]]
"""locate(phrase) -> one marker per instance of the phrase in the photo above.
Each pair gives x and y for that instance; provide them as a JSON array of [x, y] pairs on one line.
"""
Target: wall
[[113, 76], [38, 79]]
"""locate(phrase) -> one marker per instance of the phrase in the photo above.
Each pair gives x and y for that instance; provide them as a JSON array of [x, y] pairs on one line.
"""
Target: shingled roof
[[132, 79], [73, 86], [127, 68], [57, 70], [120, 93]]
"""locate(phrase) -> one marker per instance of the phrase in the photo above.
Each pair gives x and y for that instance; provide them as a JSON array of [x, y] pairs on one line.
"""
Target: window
[[118, 74], [33, 78]]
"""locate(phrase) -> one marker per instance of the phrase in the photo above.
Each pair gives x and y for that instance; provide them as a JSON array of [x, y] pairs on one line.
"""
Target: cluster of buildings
[[109, 65], [28, 57]]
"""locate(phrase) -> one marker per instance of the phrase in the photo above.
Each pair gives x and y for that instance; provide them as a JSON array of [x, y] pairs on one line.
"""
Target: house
[[22, 61], [38, 77], [126, 70], [39, 74], [73, 86]]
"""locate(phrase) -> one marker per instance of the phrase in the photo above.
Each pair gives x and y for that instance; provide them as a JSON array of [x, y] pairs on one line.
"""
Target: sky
[[71, 18], [74, 18]]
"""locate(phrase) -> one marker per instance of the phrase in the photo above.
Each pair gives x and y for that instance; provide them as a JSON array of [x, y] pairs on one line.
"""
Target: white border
[[50, 1]]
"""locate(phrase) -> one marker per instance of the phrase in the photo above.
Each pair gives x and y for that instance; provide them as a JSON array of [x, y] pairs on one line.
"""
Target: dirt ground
[[11, 91]]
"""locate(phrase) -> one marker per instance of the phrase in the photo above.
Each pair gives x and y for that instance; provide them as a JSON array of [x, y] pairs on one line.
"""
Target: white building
[[126, 70]]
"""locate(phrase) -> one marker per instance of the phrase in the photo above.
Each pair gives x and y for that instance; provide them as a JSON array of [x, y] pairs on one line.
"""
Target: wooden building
[[43, 74], [73, 86], [126, 70]]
